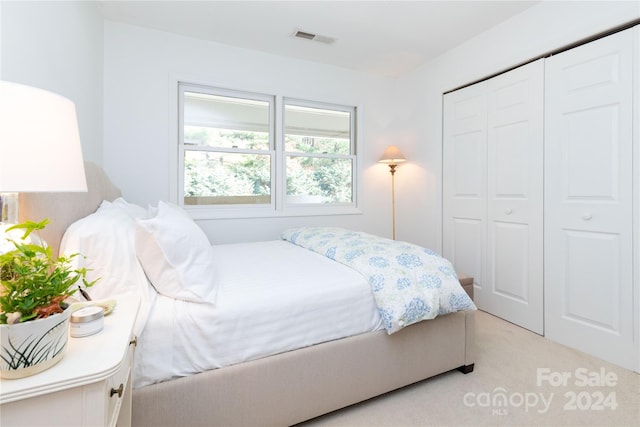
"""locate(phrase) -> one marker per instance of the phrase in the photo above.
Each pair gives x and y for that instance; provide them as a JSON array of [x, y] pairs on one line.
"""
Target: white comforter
[[272, 297], [409, 283]]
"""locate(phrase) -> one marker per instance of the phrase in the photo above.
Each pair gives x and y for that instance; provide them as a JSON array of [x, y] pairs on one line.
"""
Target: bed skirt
[[295, 386]]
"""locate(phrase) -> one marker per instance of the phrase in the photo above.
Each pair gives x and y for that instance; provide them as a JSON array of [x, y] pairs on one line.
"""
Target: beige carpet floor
[[520, 379]]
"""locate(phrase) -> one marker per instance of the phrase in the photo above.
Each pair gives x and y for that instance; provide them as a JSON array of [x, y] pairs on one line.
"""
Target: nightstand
[[90, 386], [467, 284]]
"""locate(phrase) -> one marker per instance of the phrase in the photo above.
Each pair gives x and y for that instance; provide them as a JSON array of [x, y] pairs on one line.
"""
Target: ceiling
[[386, 38]]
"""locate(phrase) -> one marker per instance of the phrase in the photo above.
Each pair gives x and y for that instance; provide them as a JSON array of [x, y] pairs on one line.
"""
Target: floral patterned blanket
[[409, 283]]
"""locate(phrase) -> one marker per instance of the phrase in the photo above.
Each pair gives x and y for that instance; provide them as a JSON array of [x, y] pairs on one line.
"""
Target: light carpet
[[520, 379]]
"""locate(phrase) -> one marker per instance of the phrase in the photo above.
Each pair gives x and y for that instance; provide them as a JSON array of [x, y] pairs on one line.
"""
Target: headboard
[[63, 209]]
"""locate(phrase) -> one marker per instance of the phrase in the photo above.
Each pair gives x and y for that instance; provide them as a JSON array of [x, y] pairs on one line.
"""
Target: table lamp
[[40, 147]]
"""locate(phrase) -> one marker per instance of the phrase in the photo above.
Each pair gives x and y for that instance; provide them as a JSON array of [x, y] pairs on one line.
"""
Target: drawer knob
[[117, 391], [508, 211], [587, 216]]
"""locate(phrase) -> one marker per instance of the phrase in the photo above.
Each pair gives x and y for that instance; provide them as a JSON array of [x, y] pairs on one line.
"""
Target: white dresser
[[90, 386]]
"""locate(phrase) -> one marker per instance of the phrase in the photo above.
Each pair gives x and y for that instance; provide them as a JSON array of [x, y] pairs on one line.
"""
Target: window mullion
[[319, 155], [188, 147], [280, 173], [181, 146]]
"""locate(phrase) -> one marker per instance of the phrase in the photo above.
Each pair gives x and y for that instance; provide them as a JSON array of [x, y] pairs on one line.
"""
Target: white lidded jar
[[86, 321]]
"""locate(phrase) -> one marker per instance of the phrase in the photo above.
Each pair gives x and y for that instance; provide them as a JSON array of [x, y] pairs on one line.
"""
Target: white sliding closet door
[[492, 192], [589, 297], [464, 181], [514, 276], [636, 193]]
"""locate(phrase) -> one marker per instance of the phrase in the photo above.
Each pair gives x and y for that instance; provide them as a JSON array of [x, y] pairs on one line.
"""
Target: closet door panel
[[514, 275], [510, 265], [464, 249], [589, 199], [464, 176], [511, 162], [593, 263], [591, 166]]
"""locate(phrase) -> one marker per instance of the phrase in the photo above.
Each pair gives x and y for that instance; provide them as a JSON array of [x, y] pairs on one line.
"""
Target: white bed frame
[[286, 388]]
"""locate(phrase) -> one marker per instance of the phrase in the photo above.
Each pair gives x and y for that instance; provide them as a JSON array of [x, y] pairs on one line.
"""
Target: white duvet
[[272, 297]]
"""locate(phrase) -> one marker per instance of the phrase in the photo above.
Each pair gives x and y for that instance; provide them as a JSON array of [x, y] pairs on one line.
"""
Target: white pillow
[[176, 255], [105, 239], [133, 210]]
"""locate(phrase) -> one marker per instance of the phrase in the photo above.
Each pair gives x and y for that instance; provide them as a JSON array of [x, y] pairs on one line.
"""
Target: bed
[[331, 370]]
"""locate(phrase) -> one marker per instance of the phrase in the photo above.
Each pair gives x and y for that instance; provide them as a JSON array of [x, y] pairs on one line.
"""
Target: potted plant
[[34, 320]]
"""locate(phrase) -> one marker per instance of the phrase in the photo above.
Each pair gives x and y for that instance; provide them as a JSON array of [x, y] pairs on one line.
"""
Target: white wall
[[139, 119], [0, 39], [57, 46], [547, 26]]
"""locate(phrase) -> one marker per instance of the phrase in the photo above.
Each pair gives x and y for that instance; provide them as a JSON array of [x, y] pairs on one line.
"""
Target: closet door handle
[[587, 216]]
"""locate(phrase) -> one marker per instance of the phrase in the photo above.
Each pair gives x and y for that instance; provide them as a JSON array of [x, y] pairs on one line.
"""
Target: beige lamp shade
[[392, 156], [40, 147]]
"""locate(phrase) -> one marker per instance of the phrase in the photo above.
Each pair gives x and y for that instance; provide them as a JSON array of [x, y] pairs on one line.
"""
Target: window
[[227, 147], [319, 153], [229, 156]]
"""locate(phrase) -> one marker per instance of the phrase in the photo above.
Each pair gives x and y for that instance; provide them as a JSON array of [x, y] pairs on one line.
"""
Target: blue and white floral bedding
[[409, 283]]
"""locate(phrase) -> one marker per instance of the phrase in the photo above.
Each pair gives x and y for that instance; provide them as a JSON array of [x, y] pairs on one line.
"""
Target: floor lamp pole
[[392, 169], [392, 156]]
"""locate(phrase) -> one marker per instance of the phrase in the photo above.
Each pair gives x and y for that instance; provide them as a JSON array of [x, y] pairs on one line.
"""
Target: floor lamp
[[392, 156]]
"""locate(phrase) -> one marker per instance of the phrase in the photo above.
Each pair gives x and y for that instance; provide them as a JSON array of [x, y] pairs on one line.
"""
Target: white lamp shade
[[40, 147], [392, 155]]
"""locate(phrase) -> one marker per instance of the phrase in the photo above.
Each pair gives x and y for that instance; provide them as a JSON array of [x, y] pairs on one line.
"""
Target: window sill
[[228, 212]]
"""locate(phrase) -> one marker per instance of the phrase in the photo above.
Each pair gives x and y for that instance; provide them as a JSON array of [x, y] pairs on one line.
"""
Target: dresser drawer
[[119, 387]]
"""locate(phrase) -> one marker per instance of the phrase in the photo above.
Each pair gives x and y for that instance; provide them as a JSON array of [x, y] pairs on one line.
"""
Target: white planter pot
[[31, 347]]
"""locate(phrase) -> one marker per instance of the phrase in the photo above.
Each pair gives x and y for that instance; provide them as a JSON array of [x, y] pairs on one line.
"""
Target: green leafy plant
[[34, 283]]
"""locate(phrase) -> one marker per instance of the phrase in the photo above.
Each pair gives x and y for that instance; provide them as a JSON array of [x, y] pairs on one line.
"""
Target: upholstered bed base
[[286, 388], [292, 387]]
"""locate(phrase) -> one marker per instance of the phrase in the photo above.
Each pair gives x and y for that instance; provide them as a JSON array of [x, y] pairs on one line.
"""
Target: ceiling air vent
[[315, 37]]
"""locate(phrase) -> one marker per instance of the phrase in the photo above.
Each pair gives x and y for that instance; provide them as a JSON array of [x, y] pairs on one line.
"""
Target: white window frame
[[223, 210], [278, 206], [351, 156]]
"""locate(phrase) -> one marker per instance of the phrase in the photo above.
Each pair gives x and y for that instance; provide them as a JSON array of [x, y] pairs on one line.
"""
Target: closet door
[[464, 181], [492, 192], [636, 180], [589, 295], [514, 276]]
